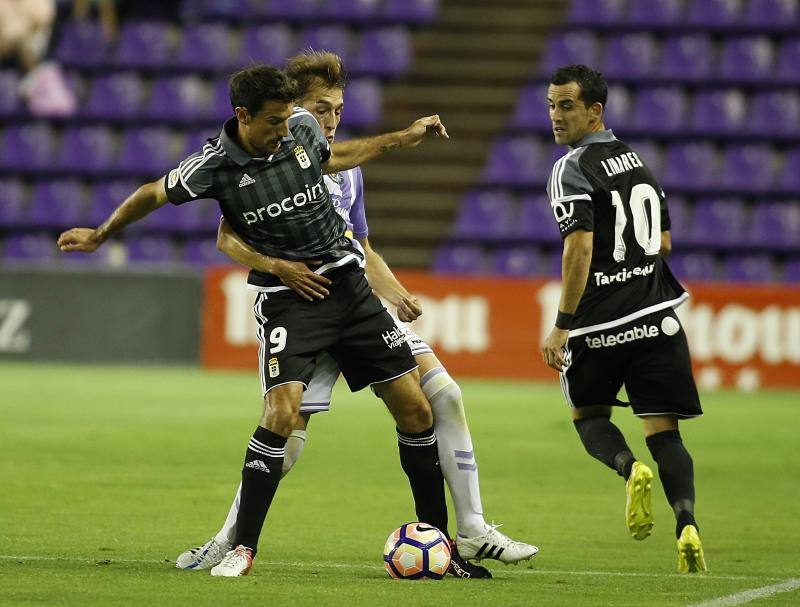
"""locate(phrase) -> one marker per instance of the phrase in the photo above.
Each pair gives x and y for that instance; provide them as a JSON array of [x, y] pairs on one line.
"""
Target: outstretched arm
[[294, 274], [386, 285], [348, 154], [575, 264], [141, 203]]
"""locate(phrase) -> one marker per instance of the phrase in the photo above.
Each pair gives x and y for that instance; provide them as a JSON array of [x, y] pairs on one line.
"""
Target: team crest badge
[[274, 367], [302, 157], [173, 178]]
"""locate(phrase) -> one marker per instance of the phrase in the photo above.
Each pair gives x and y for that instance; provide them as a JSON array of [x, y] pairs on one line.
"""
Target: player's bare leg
[[605, 442], [261, 474], [676, 471]]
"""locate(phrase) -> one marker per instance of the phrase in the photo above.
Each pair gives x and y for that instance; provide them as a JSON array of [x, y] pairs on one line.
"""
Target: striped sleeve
[[358, 214], [302, 117], [570, 194], [194, 177]]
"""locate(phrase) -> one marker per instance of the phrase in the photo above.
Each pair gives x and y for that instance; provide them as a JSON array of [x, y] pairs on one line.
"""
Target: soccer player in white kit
[[322, 80]]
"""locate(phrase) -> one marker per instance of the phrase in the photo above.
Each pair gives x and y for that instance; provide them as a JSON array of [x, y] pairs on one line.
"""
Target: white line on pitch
[[740, 598], [511, 570]]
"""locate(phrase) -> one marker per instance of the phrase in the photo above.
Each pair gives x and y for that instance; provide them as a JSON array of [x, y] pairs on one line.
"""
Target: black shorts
[[351, 324], [648, 355]]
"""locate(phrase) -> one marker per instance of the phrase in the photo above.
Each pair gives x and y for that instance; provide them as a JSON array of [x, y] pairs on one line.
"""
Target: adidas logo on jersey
[[257, 464], [623, 337], [246, 180]]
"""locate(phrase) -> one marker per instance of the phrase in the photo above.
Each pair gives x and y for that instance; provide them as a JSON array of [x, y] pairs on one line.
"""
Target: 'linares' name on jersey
[[313, 194], [620, 164], [636, 333], [623, 275]]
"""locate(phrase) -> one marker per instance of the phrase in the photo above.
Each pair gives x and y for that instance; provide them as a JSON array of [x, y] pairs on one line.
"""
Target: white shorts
[[317, 397]]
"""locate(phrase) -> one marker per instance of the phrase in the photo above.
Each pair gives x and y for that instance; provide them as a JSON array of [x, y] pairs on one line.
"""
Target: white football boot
[[203, 557], [494, 545], [235, 563]]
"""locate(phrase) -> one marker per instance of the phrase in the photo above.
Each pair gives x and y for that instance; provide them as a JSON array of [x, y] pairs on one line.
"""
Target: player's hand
[[414, 134], [409, 309], [553, 348], [299, 278], [86, 240]]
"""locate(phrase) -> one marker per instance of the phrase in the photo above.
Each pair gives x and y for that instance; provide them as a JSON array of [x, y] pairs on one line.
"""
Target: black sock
[[604, 441], [261, 474], [419, 456], [676, 471]]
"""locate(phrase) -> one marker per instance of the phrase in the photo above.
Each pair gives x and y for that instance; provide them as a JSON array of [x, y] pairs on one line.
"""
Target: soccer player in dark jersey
[[616, 323], [266, 170], [322, 79]]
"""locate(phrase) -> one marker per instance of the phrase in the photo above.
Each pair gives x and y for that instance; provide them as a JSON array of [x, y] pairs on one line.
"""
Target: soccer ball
[[417, 551]]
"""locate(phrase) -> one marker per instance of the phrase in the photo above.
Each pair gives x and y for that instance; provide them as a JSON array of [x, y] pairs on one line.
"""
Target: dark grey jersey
[[279, 205], [603, 186]]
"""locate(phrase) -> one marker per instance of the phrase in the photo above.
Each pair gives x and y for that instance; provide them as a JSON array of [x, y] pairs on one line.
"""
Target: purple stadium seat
[[750, 167], [489, 214], [221, 103], [411, 11], [208, 46], [517, 161], [749, 268], [694, 266], [661, 109], [82, 43], [184, 98], [461, 259], [12, 202], [364, 103], [719, 111], [777, 109], [87, 149], [178, 219], [28, 248], [56, 204], [531, 108], [714, 13], [384, 52], [791, 270], [747, 58], [575, 46], [218, 9], [790, 173], [775, 225], [296, 10], [650, 153], [687, 56], [27, 147], [595, 12], [145, 44], [719, 222], [633, 54], [333, 38], [788, 63], [519, 261], [119, 95], [536, 221], [9, 98], [270, 44], [203, 251], [769, 13], [662, 13], [681, 219], [690, 165], [147, 150], [150, 249], [616, 114], [107, 196], [357, 11]]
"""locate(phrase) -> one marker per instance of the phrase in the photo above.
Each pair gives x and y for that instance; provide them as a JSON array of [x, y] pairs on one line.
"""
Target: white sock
[[456, 456], [294, 447]]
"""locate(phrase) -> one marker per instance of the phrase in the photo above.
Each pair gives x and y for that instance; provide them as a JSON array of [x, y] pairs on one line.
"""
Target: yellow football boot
[[690, 551], [638, 510]]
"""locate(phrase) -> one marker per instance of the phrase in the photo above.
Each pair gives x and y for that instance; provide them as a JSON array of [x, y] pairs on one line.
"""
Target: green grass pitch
[[109, 472]]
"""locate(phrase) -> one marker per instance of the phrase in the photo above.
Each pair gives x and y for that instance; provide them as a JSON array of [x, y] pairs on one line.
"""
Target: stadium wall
[[100, 317], [745, 336]]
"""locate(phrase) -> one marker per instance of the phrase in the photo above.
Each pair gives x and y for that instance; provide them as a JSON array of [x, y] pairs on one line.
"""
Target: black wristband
[[563, 320]]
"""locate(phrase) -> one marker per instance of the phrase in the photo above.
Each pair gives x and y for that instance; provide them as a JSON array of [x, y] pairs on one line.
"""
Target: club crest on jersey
[[302, 157], [274, 367], [174, 175]]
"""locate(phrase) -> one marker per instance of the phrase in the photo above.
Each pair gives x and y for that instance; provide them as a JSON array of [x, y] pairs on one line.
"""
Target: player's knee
[[281, 409], [443, 393]]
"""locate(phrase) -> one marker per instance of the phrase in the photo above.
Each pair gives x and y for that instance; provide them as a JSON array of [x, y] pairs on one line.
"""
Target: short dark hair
[[594, 88], [256, 84], [312, 67]]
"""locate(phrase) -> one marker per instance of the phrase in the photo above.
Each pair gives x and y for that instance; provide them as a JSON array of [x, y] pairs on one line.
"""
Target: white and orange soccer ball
[[416, 551]]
